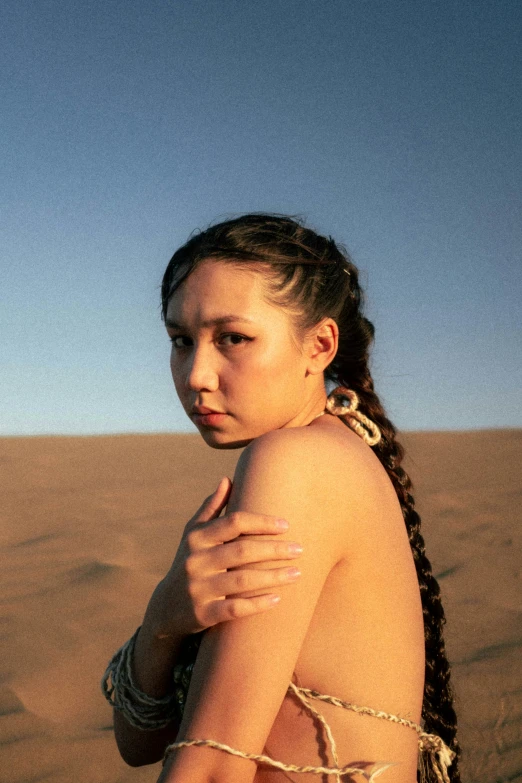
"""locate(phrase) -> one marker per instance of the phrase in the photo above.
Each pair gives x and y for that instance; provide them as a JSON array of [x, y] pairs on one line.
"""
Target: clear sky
[[393, 126]]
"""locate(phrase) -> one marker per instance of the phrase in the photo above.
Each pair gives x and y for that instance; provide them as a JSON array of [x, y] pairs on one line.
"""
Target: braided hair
[[313, 277]]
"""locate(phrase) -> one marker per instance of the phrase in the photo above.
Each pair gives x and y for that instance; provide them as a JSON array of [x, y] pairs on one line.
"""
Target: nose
[[202, 372]]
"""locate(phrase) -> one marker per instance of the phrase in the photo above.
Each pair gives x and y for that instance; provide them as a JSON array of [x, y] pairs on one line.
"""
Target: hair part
[[312, 277]]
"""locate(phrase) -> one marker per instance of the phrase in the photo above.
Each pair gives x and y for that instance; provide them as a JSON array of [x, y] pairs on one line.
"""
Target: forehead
[[215, 288]]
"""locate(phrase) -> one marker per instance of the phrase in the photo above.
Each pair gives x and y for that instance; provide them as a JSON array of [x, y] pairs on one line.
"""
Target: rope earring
[[357, 421]]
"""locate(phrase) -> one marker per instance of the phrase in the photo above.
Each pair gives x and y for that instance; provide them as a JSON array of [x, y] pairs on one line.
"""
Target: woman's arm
[[152, 665], [243, 669], [191, 598]]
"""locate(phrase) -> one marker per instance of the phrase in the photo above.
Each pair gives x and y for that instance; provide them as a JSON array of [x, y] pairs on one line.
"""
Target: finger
[[232, 608], [213, 505], [242, 523], [237, 584], [247, 551]]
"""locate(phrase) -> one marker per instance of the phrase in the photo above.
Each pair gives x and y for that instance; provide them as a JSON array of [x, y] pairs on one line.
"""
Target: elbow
[[218, 779], [207, 778], [241, 775], [138, 757], [133, 762], [139, 748], [136, 754], [185, 769]]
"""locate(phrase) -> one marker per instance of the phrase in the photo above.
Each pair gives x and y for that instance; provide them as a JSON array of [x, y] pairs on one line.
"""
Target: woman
[[262, 312]]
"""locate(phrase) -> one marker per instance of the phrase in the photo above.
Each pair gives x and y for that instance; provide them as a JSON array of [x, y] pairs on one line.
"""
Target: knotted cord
[[438, 755], [357, 421]]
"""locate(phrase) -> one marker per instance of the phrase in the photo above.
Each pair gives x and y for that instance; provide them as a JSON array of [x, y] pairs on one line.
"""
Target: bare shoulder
[[324, 448], [309, 455], [330, 456], [325, 476]]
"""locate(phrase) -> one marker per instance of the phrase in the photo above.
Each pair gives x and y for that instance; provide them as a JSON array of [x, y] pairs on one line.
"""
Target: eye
[[239, 337], [173, 339]]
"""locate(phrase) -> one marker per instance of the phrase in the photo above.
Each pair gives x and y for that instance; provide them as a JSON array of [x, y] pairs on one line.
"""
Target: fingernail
[[282, 524]]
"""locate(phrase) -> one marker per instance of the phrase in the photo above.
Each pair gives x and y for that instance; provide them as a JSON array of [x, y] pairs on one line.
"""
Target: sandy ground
[[89, 525]]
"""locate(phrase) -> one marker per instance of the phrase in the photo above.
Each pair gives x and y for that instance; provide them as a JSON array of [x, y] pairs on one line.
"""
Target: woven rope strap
[[279, 764], [439, 756], [357, 421]]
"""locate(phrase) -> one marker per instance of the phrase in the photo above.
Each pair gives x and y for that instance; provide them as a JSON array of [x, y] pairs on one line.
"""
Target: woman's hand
[[209, 566]]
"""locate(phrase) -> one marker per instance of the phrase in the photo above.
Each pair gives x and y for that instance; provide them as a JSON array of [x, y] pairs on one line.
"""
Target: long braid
[[353, 371]]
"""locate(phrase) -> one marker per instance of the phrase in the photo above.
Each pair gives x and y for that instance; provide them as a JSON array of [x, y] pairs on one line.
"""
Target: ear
[[321, 345]]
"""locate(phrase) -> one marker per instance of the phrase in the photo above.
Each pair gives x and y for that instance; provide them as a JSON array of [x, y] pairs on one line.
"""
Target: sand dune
[[89, 526]]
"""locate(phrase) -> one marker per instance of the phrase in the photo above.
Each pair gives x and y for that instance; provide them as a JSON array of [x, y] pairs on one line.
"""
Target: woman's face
[[247, 367]]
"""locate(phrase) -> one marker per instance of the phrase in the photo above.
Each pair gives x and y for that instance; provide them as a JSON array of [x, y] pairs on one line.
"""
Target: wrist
[[160, 622], [142, 708], [153, 661]]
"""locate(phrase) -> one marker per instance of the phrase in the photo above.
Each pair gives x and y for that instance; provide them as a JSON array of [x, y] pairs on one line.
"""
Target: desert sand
[[90, 524]]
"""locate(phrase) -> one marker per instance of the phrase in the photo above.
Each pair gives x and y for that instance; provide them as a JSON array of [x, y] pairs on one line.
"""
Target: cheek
[[176, 372], [271, 356], [277, 363]]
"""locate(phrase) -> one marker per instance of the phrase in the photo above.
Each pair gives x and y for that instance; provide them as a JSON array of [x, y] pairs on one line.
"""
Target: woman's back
[[365, 643]]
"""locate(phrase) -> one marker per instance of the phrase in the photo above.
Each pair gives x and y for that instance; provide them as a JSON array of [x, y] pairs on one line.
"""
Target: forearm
[[138, 748], [199, 764], [152, 668], [154, 658]]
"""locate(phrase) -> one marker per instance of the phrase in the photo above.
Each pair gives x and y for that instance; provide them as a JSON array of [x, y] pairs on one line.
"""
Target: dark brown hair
[[312, 277]]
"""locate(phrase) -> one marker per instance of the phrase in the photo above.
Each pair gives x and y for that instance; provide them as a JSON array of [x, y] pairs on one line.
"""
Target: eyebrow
[[221, 319]]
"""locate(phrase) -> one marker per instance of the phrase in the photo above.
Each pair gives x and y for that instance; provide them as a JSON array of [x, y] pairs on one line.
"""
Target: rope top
[[438, 754]]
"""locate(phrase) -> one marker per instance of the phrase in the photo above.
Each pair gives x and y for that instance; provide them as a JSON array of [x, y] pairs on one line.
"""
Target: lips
[[211, 420], [202, 410]]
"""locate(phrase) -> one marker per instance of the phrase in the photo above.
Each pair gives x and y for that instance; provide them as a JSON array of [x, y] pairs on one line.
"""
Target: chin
[[219, 439], [216, 443]]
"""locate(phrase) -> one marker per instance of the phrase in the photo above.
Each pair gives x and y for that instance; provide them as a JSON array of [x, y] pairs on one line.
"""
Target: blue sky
[[393, 126]]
